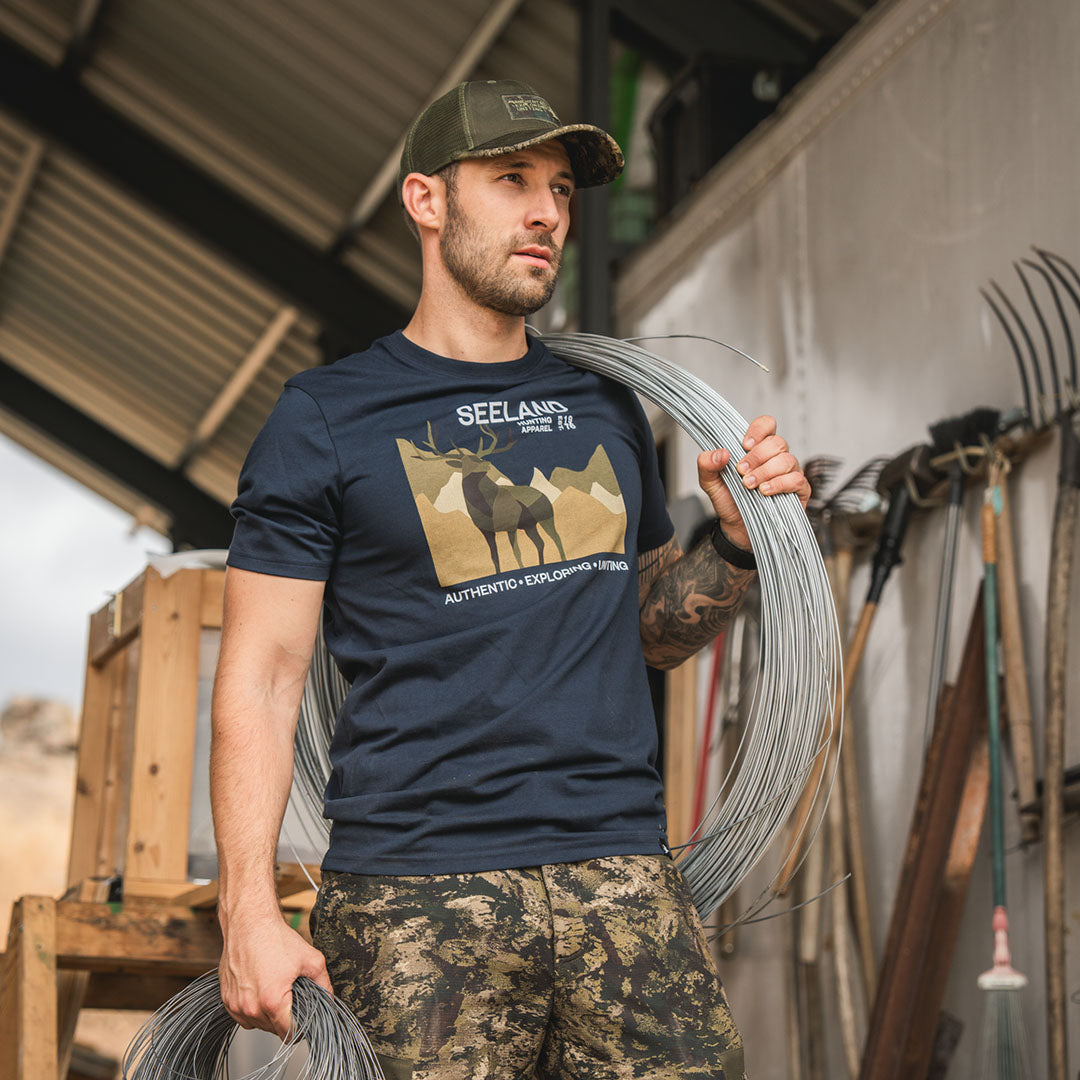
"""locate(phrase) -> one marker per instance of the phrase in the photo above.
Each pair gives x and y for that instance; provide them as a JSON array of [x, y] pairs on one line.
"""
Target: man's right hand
[[259, 964]]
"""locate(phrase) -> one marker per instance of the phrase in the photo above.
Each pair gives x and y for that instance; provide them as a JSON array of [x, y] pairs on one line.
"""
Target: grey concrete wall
[[843, 247]]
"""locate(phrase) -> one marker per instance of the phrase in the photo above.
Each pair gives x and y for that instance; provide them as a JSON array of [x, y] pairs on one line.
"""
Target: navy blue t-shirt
[[478, 527]]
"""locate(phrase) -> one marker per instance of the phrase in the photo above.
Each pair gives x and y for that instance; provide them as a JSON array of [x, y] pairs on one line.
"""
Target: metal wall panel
[[850, 267]]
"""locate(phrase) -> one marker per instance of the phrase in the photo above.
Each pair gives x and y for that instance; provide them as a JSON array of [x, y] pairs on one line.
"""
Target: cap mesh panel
[[437, 137]]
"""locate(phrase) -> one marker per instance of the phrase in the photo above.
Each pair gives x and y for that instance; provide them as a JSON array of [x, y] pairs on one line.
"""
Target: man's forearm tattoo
[[689, 603]]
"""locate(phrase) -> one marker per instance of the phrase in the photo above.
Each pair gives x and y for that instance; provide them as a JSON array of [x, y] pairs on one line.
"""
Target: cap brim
[[594, 155]]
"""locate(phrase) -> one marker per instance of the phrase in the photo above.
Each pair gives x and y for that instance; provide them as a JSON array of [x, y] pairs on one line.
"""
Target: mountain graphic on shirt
[[478, 521]]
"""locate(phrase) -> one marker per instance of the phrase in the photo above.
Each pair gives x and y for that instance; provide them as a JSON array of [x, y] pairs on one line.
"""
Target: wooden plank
[[680, 750], [922, 871], [950, 912], [291, 882], [135, 937], [9, 998], [201, 896], [112, 833], [138, 889], [90, 773], [291, 879], [115, 624], [35, 973], [213, 592], [110, 990], [71, 987], [166, 715]]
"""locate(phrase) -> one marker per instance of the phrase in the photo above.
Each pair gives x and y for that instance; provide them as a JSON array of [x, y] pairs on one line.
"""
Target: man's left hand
[[767, 465]]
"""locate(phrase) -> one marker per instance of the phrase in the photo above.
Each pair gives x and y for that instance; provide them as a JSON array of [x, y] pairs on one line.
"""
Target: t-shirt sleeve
[[655, 527], [288, 496]]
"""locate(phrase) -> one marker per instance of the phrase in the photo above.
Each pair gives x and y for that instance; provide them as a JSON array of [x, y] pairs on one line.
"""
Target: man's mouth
[[535, 255]]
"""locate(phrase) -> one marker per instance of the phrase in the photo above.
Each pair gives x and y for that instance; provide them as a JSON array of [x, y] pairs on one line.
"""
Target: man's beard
[[476, 264]]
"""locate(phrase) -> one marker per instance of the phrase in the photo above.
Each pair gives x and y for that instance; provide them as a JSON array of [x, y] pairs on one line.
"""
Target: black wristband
[[737, 556]]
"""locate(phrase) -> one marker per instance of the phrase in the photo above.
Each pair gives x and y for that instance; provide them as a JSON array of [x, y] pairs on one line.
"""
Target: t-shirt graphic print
[[478, 521]]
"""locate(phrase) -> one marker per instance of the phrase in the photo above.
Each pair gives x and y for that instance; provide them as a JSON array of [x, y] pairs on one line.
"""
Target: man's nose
[[543, 210]]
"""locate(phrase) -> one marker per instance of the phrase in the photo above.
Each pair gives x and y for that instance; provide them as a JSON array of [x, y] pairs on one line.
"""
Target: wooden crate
[[137, 742], [131, 822]]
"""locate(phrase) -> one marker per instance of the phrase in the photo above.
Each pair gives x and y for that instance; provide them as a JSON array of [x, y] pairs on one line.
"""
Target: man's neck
[[464, 330]]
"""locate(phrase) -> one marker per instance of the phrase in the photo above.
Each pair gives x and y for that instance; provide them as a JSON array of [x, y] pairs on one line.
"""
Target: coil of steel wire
[[190, 1035], [324, 694], [791, 719], [792, 715]]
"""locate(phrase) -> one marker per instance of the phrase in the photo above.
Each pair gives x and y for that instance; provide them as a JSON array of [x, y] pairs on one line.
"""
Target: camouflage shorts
[[595, 969]]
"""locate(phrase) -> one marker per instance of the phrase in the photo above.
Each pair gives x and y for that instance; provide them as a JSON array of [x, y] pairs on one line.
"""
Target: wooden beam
[[117, 622], [290, 881], [90, 773], [109, 990], [136, 937], [72, 987], [9, 1000], [123, 668], [138, 889], [34, 918], [166, 713]]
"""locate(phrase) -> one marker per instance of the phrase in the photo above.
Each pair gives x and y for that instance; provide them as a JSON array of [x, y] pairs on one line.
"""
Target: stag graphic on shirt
[[496, 507]]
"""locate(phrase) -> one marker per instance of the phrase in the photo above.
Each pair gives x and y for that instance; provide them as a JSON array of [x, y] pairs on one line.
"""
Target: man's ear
[[424, 198]]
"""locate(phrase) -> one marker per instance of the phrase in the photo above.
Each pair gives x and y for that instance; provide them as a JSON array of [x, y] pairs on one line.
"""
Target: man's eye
[[563, 189], [513, 176]]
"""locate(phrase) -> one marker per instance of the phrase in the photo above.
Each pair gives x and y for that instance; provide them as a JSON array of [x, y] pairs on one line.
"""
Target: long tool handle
[[846, 978], [940, 650], [1017, 696], [843, 947], [705, 754], [993, 706], [1057, 629], [860, 894], [813, 879]]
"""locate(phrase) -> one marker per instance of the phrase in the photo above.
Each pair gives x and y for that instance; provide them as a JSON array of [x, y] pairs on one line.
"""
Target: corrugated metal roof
[[126, 317], [293, 104], [298, 107], [43, 26]]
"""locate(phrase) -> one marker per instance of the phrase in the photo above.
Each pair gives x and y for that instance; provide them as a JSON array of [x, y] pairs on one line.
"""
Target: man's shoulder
[[344, 378], [348, 366]]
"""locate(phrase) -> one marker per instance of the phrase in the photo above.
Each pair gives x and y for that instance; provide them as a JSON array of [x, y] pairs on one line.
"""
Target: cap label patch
[[529, 107]]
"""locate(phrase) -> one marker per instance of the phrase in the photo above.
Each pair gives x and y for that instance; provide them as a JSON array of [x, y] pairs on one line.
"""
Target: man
[[499, 898]]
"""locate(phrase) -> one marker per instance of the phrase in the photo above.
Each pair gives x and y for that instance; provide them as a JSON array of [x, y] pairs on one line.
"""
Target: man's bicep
[[269, 625], [652, 563]]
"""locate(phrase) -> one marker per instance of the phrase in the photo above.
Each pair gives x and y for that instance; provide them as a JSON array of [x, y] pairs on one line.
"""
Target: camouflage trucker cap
[[485, 119]]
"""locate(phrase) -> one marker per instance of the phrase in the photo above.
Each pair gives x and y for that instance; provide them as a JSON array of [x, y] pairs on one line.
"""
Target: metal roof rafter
[[245, 374], [471, 53], [198, 519], [20, 192], [64, 111], [84, 33]]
